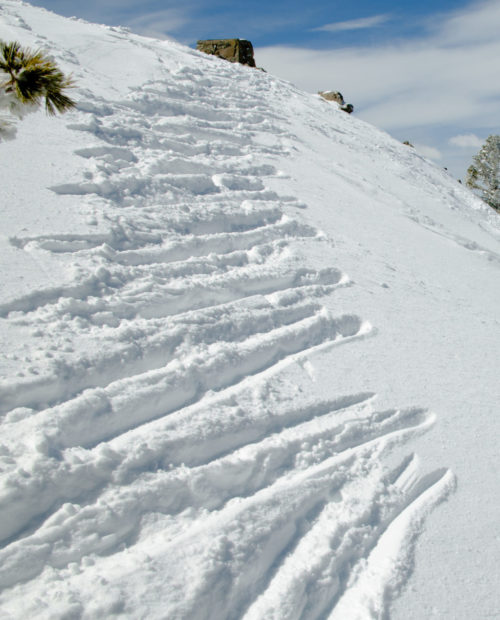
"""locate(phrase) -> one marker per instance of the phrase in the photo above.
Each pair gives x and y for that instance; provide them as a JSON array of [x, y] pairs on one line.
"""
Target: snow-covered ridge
[[192, 426]]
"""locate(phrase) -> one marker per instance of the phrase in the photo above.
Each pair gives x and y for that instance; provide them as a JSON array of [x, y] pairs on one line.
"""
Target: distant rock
[[335, 95], [332, 95], [234, 50]]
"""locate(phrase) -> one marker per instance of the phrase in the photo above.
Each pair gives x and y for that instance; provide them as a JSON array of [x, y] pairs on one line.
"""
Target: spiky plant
[[32, 77]]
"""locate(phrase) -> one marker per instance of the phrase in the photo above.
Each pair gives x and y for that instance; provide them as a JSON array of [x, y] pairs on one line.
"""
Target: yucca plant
[[32, 77]]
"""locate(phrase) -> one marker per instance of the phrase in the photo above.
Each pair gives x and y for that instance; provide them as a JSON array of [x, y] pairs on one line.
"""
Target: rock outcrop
[[334, 95], [234, 50]]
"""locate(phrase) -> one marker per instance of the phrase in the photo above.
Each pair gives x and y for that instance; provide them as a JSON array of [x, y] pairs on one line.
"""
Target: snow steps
[[290, 463]]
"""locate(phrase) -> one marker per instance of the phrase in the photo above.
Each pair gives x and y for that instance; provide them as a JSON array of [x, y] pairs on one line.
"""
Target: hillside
[[249, 352]]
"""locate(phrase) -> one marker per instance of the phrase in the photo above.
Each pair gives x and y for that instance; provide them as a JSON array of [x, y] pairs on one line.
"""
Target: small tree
[[484, 174], [30, 79]]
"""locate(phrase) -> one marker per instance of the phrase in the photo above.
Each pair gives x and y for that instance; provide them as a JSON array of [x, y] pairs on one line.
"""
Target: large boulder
[[234, 50], [334, 95]]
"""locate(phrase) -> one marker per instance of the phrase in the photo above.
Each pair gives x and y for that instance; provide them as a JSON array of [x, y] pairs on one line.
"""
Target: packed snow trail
[[165, 450]]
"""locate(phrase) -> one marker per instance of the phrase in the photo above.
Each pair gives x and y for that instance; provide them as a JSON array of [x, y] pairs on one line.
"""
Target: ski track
[[157, 431]]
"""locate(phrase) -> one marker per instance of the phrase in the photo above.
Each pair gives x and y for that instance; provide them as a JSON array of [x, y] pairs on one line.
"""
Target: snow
[[249, 352]]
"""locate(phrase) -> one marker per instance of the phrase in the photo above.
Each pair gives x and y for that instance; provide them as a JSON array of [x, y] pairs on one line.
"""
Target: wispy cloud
[[428, 151], [478, 22], [468, 140], [354, 24], [145, 19], [158, 24]]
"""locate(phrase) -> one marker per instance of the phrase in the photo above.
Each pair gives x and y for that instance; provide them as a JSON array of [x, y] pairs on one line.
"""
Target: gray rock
[[332, 95]]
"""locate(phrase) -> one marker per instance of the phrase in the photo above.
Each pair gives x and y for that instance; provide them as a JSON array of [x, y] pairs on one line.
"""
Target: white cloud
[[428, 151], [478, 22], [354, 24], [467, 140], [400, 85]]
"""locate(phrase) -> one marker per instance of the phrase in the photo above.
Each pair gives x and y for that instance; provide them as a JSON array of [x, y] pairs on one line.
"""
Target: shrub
[[31, 78]]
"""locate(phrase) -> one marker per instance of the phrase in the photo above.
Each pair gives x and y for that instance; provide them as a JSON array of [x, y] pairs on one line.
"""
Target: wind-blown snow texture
[[230, 316]]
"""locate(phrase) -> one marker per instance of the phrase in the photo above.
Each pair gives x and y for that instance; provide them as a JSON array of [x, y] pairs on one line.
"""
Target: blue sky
[[424, 71], [283, 22]]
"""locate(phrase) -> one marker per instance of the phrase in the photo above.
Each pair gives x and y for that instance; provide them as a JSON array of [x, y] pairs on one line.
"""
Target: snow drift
[[248, 342]]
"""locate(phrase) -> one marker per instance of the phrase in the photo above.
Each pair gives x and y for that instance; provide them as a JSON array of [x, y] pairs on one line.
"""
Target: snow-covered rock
[[248, 344]]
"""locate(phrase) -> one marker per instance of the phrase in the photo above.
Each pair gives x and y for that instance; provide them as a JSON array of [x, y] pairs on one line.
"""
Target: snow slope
[[248, 346]]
